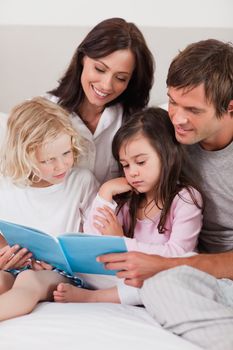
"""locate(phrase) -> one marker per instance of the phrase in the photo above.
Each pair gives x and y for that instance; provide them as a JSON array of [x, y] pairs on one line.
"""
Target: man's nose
[[179, 117]]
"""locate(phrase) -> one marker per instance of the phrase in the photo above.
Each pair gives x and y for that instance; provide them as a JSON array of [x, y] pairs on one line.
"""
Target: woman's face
[[104, 79]]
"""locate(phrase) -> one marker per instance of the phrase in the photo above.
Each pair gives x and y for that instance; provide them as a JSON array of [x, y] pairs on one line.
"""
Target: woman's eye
[[121, 79], [100, 70], [141, 163]]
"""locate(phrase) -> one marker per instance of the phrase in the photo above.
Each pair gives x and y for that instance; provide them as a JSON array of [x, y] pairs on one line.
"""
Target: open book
[[74, 252]]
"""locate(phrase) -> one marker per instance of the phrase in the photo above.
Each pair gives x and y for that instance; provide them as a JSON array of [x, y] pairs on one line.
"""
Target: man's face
[[194, 118]]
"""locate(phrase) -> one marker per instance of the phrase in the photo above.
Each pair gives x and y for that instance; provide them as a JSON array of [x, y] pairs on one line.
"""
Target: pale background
[[38, 37]]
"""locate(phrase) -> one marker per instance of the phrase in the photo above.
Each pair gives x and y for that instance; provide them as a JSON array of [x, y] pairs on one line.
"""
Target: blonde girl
[[40, 187]]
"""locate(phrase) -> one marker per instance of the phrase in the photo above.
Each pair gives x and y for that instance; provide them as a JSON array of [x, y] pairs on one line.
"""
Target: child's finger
[[100, 220], [108, 213]]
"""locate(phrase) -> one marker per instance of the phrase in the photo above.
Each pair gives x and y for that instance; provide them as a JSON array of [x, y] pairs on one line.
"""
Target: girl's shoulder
[[187, 195]]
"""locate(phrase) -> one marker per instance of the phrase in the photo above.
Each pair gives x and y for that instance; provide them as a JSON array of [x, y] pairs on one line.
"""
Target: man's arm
[[135, 267]]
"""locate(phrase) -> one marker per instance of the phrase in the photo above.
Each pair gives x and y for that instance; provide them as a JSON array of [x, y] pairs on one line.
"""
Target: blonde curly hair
[[31, 124]]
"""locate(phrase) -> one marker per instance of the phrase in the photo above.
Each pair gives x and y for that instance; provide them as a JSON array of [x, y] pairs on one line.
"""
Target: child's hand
[[107, 224], [14, 257], [40, 265], [113, 187]]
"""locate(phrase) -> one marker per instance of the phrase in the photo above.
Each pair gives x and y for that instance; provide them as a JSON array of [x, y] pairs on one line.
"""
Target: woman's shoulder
[[51, 97]]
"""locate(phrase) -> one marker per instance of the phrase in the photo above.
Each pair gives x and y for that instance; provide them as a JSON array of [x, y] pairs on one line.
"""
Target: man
[[194, 301]]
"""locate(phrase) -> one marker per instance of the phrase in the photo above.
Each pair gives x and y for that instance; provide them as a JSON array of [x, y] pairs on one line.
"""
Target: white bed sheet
[[56, 326]]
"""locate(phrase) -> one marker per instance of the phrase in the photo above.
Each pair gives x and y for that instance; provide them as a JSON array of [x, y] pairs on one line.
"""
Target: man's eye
[[194, 111], [171, 102]]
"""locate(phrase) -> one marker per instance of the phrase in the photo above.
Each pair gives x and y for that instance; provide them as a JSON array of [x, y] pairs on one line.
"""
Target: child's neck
[[147, 210], [41, 184]]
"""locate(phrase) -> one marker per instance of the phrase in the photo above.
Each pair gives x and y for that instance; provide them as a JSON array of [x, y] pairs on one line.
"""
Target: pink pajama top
[[183, 225]]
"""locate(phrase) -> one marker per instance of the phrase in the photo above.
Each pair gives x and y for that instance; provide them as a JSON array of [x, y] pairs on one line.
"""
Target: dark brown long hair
[[176, 171], [106, 37]]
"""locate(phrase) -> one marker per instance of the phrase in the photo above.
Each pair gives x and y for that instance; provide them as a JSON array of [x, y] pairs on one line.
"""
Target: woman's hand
[[14, 257], [107, 224]]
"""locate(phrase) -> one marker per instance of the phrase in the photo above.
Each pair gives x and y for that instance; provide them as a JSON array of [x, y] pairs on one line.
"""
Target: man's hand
[[13, 257], [134, 267]]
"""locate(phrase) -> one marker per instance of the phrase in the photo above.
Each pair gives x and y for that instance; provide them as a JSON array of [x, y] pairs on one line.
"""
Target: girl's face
[[104, 79], [54, 160], [141, 165]]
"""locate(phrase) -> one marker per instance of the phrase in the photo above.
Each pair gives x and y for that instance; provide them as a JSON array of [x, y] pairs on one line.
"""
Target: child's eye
[[125, 165], [48, 161], [141, 163], [67, 153]]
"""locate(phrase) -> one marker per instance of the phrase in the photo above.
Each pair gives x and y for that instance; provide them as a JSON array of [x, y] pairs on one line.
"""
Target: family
[[92, 156]]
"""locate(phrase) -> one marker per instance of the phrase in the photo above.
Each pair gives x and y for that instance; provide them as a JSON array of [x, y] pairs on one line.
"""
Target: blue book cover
[[74, 252]]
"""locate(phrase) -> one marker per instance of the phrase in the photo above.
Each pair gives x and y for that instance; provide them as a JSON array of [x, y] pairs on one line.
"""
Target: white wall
[[38, 37], [162, 13]]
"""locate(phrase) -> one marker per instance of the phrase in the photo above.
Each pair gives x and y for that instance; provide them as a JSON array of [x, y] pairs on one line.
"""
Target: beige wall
[[33, 58]]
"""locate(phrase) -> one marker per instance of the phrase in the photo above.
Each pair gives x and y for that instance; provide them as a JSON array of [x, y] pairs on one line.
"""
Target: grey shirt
[[216, 170]]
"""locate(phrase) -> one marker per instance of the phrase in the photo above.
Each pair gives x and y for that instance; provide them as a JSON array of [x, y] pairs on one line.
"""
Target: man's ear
[[230, 107]]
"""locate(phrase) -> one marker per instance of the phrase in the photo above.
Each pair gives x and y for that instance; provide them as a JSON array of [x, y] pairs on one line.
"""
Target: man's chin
[[185, 140]]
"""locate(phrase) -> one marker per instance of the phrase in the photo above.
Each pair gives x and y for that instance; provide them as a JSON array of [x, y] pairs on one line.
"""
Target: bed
[[90, 326], [35, 70]]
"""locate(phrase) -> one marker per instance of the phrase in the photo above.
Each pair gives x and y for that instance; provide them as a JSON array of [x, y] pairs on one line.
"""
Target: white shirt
[[99, 157], [56, 209]]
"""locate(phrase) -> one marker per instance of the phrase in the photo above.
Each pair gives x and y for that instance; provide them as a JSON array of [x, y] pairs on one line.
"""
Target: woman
[[109, 78]]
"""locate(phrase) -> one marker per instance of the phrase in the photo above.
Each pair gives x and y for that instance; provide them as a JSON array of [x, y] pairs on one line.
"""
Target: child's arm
[[113, 187], [102, 218], [184, 223], [13, 257], [107, 223]]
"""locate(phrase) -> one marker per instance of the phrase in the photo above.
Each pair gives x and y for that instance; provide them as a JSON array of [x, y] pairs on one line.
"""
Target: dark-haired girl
[[156, 205]]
